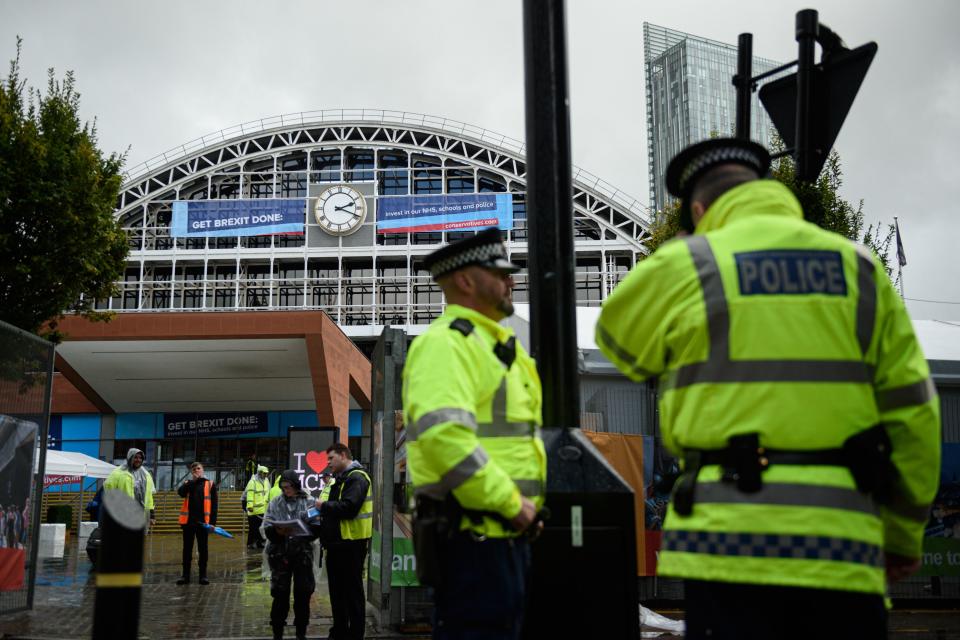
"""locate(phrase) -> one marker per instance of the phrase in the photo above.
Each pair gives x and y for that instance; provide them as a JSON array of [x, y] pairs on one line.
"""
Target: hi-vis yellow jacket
[[764, 323], [256, 493], [472, 424]]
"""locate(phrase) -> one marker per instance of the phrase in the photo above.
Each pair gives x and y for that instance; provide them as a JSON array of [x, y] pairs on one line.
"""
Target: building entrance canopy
[[212, 363]]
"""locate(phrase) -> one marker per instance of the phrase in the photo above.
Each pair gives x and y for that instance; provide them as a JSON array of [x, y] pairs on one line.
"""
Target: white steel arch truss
[[380, 282]]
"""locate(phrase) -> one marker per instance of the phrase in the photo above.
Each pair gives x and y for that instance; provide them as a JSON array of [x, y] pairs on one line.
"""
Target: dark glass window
[[359, 165], [325, 166], [394, 175]]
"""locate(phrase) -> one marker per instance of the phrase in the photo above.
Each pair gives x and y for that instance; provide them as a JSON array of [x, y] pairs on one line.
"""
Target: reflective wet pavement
[[235, 605], [237, 602]]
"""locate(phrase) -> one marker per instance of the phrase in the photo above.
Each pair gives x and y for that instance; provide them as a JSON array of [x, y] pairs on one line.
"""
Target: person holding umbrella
[[197, 516]]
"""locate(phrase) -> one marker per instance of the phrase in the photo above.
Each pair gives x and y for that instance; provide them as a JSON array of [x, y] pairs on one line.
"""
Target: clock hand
[[344, 207]]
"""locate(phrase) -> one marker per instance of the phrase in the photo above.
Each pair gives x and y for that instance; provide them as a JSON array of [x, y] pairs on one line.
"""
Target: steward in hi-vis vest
[[346, 513], [199, 509], [472, 413], [792, 386], [254, 502]]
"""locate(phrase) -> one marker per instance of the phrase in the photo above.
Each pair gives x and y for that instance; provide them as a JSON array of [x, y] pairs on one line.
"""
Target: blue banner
[[190, 425], [451, 212], [255, 217]]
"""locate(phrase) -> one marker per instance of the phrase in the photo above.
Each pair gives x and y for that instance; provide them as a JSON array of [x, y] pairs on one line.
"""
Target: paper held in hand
[[290, 528]]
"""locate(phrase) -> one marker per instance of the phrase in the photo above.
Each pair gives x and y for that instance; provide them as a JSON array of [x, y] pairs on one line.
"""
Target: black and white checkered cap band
[[474, 255], [718, 156]]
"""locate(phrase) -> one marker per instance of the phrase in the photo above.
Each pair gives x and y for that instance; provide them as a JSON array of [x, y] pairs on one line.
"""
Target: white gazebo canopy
[[71, 463]]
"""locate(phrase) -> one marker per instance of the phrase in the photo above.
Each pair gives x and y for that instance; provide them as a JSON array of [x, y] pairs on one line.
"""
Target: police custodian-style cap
[[483, 250], [694, 161]]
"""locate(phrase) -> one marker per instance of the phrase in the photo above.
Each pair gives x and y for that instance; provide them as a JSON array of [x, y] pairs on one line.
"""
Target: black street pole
[[591, 522], [553, 316], [807, 31], [743, 82], [116, 613]]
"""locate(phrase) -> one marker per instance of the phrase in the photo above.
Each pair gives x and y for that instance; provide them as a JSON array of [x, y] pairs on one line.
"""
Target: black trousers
[[191, 531], [253, 530], [484, 589], [721, 610], [298, 570], [345, 575]]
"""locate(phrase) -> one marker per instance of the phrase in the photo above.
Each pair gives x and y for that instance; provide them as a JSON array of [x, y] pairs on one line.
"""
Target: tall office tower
[[690, 97]]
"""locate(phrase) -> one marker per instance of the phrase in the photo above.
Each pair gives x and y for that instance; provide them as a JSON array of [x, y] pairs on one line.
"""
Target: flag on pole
[[901, 256]]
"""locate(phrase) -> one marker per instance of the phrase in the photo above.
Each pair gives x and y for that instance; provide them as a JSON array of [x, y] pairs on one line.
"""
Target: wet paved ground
[[237, 603]]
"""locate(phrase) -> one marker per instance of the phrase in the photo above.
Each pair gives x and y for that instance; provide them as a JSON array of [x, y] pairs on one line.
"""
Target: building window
[[359, 165]]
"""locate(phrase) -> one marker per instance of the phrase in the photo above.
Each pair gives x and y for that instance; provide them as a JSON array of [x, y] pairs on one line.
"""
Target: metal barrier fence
[[26, 377]]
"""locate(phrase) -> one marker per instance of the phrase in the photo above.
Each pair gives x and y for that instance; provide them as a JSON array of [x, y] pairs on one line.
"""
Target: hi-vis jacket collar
[[757, 197], [500, 332]]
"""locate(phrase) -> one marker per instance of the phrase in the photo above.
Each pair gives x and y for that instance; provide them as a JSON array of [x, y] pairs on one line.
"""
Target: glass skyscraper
[[690, 97]]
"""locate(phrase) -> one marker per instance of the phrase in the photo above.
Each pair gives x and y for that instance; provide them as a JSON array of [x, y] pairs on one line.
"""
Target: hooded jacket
[[283, 508], [256, 494], [138, 484]]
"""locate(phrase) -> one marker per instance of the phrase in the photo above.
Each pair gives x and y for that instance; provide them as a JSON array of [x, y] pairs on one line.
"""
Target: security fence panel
[[26, 374], [392, 585]]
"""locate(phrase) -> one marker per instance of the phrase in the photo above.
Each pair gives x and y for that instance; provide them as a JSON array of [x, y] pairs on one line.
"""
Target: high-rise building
[[690, 97]]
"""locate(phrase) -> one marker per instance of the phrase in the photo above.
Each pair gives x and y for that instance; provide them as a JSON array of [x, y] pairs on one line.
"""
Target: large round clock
[[340, 210]]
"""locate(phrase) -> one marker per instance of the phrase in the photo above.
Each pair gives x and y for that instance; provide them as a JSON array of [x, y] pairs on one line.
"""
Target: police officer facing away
[[789, 371], [290, 555], [346, 511], [472, 411]]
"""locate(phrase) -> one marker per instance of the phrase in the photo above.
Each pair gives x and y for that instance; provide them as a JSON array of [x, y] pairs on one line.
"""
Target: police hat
[[483, 250], [692, 163]]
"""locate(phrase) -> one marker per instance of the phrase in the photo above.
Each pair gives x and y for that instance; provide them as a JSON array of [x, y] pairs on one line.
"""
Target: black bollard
[[116, 612]]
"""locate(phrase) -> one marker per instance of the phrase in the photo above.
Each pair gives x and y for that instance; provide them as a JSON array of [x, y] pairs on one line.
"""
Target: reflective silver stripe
[[622, 354], [506, 429], [364, 516], [440, 416], [791, 494], [719, 368], [714, 297], [768, 371], [368, 499], [772, 545], [867, 300], [906, 396], [530, 488], [460, 473]]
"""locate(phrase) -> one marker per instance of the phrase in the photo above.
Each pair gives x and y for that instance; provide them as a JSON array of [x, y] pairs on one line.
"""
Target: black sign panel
[[308, 454], [205, 425]]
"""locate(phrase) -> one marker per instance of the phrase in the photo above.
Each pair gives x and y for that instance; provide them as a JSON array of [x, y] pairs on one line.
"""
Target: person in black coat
[[199, 509], [345, 540]]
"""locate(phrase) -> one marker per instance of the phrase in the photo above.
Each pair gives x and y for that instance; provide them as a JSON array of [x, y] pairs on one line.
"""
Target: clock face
[[340, 210]]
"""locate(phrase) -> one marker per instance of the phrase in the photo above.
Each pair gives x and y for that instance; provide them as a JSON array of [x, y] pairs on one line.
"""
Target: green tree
[[821, 204], [58, 236]]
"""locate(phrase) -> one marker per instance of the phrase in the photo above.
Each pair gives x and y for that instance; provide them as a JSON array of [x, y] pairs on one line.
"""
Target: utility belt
[[437, 521], [743, 461]]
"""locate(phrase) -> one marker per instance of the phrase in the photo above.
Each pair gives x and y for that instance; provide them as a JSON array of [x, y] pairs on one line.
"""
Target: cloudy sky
[[158, 74]]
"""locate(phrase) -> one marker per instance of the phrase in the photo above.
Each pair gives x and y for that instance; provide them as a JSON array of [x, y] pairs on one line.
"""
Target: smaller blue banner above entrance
[[190, 425], [450, 212], [254, 217]]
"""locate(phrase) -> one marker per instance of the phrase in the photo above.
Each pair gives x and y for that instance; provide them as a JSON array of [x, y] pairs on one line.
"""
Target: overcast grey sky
[[158, 74]]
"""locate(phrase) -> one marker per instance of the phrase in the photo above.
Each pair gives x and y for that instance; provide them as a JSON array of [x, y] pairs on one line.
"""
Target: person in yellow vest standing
[[199, 509], [793, 387], [254, 502], [472, 411], [346, 520], [135, 481]]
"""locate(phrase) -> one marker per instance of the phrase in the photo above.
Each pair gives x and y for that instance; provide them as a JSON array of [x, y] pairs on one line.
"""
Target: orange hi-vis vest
[[185, 509]]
